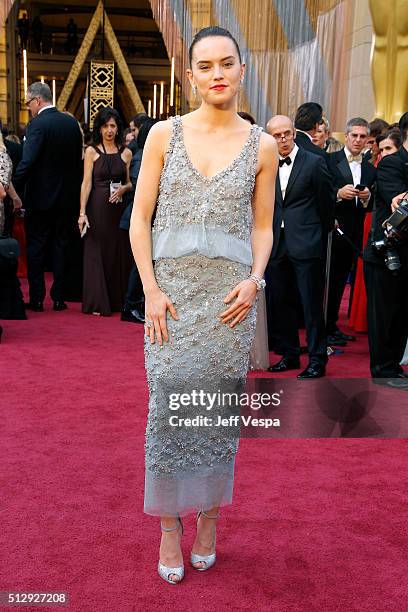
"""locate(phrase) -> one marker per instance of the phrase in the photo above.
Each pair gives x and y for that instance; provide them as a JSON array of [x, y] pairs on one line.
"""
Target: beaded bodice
[[211, 216]]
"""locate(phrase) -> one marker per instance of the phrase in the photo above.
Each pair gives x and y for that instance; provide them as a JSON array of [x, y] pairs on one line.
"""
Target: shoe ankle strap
[[179, 524], [168, 528], [209, 516]]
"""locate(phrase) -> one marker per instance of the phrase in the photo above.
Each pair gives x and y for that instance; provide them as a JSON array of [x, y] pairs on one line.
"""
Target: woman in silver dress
[[210, 177]]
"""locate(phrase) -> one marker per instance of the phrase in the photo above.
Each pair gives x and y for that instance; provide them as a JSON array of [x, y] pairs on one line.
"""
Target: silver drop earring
[[194, 90]]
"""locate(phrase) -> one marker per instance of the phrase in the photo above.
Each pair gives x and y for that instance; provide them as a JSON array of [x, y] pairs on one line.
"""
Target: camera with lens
[[395, 234]]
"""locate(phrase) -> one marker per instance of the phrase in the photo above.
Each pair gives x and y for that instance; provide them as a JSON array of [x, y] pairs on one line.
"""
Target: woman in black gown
[[107, 255]]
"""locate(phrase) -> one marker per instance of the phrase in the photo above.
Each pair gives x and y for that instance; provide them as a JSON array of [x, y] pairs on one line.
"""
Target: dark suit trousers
[[285, 275], [44, 227], [387, 307], [341, 263], [134, 297]]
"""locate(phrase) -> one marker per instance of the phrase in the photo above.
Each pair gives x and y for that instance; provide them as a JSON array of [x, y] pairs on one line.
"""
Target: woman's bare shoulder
[[126, 154], [91, 153], [161, 130], [159, 136], [267, 146]]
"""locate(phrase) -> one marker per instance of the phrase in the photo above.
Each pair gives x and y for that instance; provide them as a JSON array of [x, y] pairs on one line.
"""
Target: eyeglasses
[[28, 102], [285, 136]]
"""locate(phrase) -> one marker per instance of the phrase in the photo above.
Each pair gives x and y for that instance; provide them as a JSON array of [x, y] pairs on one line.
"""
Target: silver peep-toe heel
[[208, 560], [164, 571]]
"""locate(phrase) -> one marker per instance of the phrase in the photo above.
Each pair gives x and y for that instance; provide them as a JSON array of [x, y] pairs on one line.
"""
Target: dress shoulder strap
[[253, 149], [174, 136]]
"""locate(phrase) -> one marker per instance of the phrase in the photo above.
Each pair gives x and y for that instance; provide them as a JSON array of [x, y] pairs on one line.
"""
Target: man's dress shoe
[[60, 306], [342, 336], [335, 341], [286, 363], [313, 370], [36, 306], [132, 316]]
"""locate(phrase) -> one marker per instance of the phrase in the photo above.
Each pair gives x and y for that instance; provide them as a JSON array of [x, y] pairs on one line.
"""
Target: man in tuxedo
[[303, 215], [349, 170], [387, 293], [50, 174], [307, 120]]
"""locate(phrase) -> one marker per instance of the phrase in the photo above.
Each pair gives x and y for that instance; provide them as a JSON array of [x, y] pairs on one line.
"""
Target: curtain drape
[[294, 50]]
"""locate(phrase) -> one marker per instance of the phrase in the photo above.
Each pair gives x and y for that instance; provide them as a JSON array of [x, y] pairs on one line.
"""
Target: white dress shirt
[[285, 170], [355, 168], [307, 134], [44, 108]]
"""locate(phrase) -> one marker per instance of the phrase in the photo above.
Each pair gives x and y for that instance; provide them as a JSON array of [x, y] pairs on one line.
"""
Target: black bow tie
[[285, 160]]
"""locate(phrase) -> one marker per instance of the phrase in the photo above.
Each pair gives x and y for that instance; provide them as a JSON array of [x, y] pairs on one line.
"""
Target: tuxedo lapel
[[297, 164], [278, 190], [344, 168]]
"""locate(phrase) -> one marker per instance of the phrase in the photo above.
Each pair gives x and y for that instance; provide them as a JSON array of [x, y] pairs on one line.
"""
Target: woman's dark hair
[[139, 119], [403, 125], [212, 31], [394, 135], [247, 117], [378, 126], [143, 132], [103, 117], [307, 115]]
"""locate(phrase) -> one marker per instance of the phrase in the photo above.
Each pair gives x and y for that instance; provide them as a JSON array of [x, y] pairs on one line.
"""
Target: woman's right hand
[[156, 305], [82, 221]]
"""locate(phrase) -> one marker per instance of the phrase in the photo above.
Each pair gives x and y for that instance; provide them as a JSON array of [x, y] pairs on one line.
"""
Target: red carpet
[[316, 525]]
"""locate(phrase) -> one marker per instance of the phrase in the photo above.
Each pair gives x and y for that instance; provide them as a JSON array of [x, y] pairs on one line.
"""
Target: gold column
[[200, 11], [3, 74], [390, 57]]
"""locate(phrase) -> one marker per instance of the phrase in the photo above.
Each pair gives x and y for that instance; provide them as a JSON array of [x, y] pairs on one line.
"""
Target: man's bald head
[[279, 120], [282, 129]]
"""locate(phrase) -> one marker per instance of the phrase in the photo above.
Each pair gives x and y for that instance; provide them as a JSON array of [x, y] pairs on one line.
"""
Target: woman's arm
[[147, 189], [17, 203], [127, 158], [262, 235], [3, 192], [263, 205], [90, 155]]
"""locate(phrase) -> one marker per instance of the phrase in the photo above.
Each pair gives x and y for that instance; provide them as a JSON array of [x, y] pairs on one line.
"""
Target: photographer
[[387, 290]]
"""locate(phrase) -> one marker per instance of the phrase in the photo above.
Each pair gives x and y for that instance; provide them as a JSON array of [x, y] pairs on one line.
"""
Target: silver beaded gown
[[202, 249]]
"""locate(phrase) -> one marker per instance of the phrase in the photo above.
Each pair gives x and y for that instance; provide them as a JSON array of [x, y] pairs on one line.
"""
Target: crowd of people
[[331, 201]]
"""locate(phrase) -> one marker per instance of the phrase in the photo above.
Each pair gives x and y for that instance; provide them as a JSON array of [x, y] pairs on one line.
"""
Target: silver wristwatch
[[259, 282]]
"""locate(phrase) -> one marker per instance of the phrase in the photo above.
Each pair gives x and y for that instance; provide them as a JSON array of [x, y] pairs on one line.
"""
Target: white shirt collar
[[307, 134], [45, 108], [346, 152], [292, 154]]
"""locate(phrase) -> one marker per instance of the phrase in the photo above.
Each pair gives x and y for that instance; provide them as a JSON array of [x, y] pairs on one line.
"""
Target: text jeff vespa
[[208, 401]]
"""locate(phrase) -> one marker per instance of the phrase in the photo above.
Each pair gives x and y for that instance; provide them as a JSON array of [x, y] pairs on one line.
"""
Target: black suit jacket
[[303, 141], [349, 213], [307, 210], [392, 179], [50, 170]]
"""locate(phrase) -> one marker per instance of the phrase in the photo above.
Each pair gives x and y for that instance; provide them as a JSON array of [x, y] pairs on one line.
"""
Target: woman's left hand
[[17, 203], [245, 294], [116, 196]]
